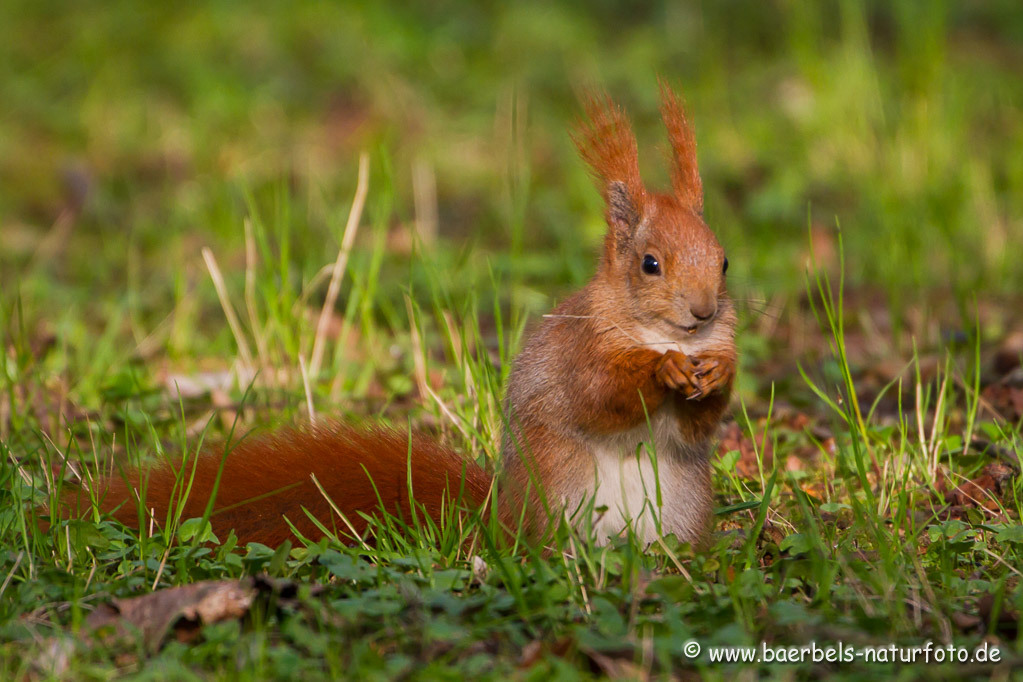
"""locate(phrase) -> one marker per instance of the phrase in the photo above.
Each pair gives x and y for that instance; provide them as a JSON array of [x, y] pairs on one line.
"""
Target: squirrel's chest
[[649, 478]]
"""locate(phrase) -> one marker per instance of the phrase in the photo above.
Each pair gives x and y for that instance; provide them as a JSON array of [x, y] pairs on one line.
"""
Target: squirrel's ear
[[606, 143], [685, 176], [622, 215]]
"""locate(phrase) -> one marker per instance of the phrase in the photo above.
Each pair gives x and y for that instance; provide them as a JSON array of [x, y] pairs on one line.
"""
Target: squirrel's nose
[[703, 309]]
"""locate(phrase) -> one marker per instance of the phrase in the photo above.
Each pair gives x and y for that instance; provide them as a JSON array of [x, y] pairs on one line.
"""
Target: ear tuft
[[685, 176], [608, 146]]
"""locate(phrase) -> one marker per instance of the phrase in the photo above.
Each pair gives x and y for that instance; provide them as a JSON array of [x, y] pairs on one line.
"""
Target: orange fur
[[629, 346], [267, 481], [685, 176], [608, 146], [633, 357]]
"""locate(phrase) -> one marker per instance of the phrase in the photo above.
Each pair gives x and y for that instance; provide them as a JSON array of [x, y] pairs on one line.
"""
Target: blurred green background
[[132, 134], [135, 134]]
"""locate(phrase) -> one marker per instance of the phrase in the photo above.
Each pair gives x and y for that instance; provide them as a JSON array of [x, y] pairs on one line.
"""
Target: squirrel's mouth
[[692, 328], [687, 328]]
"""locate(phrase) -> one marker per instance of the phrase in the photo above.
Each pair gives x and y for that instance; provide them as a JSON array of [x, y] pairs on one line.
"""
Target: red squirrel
[[611, 406]]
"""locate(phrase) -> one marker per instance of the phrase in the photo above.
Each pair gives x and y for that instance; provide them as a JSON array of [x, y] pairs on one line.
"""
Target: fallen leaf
[[983, 491], [177, 611], [1006, 396]]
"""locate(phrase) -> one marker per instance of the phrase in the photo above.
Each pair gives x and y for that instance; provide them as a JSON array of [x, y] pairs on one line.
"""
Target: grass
[[134, 137]]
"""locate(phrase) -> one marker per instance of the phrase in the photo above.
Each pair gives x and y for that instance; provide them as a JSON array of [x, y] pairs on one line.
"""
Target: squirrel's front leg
[[679, 372], [704, 382], [696, 376], [714, 371]]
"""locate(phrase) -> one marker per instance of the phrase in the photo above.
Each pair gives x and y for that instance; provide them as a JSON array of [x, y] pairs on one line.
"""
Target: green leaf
[[795, 544], [347, 567], [276, 566], [197, 530], [737, 507], [788, 612], [727, 461], [674, 588], [1010, 534]]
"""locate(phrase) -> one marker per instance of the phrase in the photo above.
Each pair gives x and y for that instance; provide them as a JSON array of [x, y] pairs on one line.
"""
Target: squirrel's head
[[657, 245]]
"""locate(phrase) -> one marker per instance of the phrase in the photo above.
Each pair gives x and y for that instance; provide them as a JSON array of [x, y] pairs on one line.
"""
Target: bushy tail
[[268, 479]]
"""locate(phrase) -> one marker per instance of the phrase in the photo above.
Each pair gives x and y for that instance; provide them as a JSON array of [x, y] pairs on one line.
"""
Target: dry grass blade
[[308, 389], [351, 228], [420, 375], [250, 292], [225, 303], [424, 191], [10, 574]]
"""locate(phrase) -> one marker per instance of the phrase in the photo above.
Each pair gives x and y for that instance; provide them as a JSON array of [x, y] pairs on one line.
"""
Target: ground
[[175, 189]]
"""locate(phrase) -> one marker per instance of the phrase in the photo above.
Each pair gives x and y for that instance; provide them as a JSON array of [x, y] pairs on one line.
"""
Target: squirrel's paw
[[678, 372], [712, 372]]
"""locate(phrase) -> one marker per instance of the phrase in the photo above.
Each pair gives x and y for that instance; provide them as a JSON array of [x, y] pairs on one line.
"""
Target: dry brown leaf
[[1006, 398], [177, 611], [982, 491]]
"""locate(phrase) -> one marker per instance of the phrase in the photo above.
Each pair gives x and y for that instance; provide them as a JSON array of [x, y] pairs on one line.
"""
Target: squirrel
[[611, 405]]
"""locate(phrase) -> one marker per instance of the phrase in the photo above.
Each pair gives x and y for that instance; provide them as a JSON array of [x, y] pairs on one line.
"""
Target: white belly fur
[[627, 483], [717, 336]]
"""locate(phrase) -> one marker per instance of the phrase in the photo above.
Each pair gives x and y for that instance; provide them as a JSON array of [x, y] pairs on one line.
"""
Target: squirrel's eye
[[650, 265], [724, 268]]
